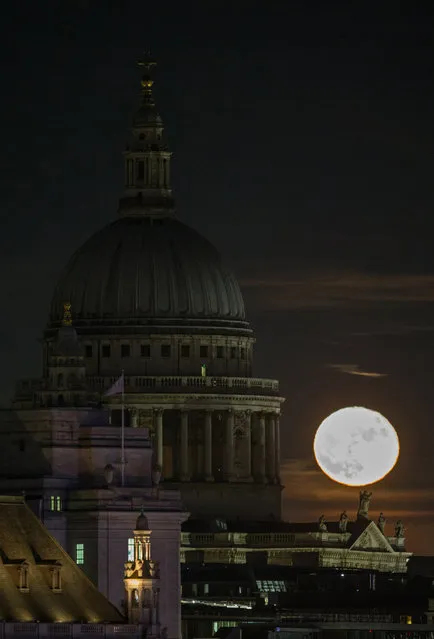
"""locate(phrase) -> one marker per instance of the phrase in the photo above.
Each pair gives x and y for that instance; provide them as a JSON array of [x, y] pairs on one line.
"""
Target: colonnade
[[250, 439]]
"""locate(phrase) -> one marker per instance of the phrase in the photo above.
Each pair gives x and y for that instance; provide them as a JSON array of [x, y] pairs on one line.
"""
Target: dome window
[[165, 350], [125, 350], [203, 350], [105, 350], [185, 350], [220, 352], [88, 350], [145, 350], [233, 352], [243, 353]]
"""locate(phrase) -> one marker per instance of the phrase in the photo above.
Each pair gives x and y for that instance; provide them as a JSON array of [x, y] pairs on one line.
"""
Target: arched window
[[135, 598]]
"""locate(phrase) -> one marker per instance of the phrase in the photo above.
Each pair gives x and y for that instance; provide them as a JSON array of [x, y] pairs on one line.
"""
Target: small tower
[[66, 369], [142, 582], [147, 158]]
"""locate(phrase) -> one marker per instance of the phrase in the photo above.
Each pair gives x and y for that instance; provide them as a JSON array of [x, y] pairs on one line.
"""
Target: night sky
[[302, 135]]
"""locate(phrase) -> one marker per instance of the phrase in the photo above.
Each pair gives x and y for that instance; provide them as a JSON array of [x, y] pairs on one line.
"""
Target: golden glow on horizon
[[356, 446]]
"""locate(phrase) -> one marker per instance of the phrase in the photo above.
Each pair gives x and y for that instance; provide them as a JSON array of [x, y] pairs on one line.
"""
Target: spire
[[147, 158]]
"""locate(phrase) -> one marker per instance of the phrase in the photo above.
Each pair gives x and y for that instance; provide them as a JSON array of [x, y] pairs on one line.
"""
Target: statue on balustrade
[[399, 529], [343, 522], [381, 522], [364, 501], [322, 524]]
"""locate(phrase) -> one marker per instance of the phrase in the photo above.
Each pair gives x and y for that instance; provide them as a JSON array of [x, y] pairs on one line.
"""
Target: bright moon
[[356, 446]]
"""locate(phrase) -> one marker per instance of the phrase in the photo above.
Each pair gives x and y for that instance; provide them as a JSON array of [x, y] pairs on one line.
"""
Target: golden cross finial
[[67, 317], [147, 62]]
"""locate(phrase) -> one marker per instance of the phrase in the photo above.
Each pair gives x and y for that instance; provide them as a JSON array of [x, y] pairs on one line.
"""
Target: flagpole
[[123, 433]]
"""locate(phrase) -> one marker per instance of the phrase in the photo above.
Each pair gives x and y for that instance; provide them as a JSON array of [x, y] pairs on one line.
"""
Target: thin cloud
[[332, 290], [354, 369]]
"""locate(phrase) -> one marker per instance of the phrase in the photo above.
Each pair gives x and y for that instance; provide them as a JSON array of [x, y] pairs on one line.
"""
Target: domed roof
[[142, 268]]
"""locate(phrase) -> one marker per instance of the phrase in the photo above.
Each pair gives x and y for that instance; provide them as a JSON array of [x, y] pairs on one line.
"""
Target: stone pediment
[[372, 539]]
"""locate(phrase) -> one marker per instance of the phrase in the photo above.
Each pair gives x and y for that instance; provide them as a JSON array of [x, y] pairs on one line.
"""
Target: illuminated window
[[105, 350], [88, 350], [203, 350], [220, 352], [185, 350], [125, 350], [145, 350], [55, 503], [205, 589], [271, 586], [79, 554], [131, 549]]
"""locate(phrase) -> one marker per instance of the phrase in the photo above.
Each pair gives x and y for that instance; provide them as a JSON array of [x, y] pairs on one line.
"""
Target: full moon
[[356, 446]]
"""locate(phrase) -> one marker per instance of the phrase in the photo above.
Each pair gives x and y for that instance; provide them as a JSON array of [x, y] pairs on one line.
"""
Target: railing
[[257, 540], [65, 630], [156, 384]]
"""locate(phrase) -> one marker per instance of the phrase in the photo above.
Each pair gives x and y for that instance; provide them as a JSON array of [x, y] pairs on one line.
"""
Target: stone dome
[[148, 271]]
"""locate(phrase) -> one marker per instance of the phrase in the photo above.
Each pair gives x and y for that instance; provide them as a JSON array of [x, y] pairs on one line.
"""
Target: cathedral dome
[[141, 268]]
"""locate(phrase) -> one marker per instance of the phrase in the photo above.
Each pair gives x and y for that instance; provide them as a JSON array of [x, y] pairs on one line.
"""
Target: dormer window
[[56, 578], [23, 581]]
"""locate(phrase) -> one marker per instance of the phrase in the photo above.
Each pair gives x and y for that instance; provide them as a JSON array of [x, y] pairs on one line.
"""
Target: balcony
[[168, 384]]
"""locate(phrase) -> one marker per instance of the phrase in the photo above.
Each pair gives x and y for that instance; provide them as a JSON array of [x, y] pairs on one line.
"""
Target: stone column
[[184, 446], [249, 445], [159, 434], [261, 474], [229, 470], [277, 448], [271, 447], [207, 438]]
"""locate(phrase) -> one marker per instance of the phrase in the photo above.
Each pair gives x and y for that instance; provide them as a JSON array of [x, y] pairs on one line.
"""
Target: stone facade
[[59, 458]]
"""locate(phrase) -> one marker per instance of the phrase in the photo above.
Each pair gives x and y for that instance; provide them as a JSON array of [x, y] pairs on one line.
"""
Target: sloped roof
[[24, 540]]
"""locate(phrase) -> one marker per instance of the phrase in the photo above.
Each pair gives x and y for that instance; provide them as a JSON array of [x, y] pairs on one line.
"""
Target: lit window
[[203, 350], [205, 589], [131, 549], [271, 586], [55, 503], [79, 554]]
